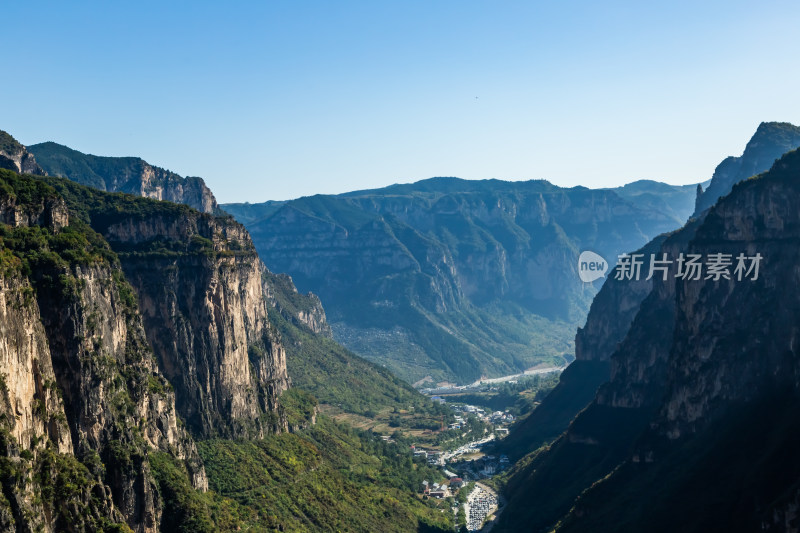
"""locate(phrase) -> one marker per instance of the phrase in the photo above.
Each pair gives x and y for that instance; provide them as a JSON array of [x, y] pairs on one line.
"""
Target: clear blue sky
[[274, 100]]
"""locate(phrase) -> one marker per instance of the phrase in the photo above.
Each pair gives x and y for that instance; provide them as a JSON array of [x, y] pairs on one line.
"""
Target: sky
[[274, 100]]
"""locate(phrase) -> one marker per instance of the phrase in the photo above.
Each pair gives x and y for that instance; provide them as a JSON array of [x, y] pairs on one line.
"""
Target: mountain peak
[[14, 156], [770, 141]]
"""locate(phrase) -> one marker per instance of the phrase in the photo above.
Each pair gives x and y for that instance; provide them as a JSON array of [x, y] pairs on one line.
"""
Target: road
[[465, 448], [531, 372], [476, 384]]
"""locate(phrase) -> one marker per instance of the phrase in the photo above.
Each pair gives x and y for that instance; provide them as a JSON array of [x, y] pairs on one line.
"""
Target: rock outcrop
[[14, 156], [83, 401], [770, 141], [305, 309], [705, 380], [198, 281], [205, 313], [127, 326], [130, 175]]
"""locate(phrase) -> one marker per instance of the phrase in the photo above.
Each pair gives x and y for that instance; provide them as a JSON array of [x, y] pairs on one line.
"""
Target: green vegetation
[[64, 486], [338, 377], [299, 407], [187, 510], [452, 279], [9, 144], [104, 173], [326, 478], [100, 210]]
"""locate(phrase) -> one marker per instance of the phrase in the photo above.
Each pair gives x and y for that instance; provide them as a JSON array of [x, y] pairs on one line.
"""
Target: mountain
[[696, 427], [83, 399], [123, 174], [456, 279], [144, 384], [607, 323], [14, 156], [197, 278], [771, 141], [675, 201]]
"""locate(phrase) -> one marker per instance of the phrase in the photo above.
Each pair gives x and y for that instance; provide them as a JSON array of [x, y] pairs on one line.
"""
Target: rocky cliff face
[[706, 380], [426, 277], [14, 156], [770, 141], [734, 338], [131, 175], [83, 401], [205, 314], [199, 285], [305, 309]]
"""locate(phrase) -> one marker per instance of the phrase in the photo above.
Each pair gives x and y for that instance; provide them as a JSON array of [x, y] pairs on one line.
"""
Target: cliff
[[131, 175], [14, 156], [770, 141], [83, 401], [199, 285], [704, 386], [617, 304], [427, 278]]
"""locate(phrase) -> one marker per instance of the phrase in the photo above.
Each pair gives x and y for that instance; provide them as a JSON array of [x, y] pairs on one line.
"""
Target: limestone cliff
[[199, 285], [206, 318], [83, 400], [131, 175], [704, 386], [14, 156], [734, 338], [638, 372]]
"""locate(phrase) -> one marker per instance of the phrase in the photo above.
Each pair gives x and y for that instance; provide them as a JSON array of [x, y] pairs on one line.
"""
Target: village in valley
[[462, 468]]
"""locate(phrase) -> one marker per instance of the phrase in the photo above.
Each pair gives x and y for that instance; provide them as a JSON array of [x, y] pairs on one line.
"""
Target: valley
[[400, 267], [252, 415]]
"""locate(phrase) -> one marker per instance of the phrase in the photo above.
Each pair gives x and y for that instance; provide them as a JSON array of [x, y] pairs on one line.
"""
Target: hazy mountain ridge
[[440, 270]]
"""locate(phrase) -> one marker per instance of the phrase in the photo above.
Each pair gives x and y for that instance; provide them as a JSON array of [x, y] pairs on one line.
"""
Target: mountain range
[[144, 345], [449, 279], [157, 375]]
